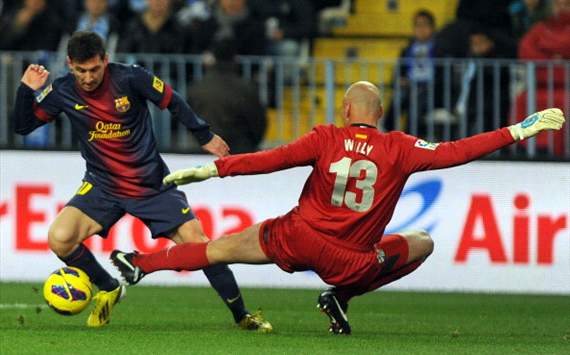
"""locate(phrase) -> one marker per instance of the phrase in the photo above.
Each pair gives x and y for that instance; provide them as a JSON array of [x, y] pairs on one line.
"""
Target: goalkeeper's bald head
[[362, 104]]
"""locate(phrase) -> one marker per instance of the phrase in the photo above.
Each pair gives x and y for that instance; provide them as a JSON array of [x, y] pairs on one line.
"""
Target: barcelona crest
[[122, 104]]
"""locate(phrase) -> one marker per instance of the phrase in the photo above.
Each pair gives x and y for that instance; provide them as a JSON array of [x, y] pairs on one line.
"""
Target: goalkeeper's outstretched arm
[[417, 155], [301, 152], [414, 154]]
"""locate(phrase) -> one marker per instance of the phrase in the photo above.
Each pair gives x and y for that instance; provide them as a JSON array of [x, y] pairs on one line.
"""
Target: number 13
[[343, 170]]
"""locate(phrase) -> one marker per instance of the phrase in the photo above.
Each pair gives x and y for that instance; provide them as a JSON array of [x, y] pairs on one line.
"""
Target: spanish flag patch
[[361, 136]]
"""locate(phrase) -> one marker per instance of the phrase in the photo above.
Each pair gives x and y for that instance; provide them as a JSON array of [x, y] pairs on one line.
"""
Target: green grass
[[183, 320]]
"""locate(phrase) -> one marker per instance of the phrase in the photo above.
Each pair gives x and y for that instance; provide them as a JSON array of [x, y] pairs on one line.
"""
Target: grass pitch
[[184, 320]]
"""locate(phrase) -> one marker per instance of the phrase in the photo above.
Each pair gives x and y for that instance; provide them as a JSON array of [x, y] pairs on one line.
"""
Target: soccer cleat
[[105, 301], [328, 304], [124, 262], [255, 322]]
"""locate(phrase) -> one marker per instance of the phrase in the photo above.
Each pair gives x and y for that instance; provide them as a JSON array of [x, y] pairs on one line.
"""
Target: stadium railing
[[451, 102]]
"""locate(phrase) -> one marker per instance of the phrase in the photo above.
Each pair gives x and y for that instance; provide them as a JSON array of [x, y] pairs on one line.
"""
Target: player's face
[[89, 74]]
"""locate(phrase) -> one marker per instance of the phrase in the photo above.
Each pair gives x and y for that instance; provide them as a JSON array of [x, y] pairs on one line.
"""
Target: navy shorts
[[162, 213]]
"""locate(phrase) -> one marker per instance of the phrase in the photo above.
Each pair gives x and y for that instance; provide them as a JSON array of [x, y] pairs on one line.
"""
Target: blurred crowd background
[[447, 68]]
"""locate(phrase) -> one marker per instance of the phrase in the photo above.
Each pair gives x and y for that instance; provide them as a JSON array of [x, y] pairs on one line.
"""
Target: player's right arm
[[417, 155], [303, 151], [28, 115]]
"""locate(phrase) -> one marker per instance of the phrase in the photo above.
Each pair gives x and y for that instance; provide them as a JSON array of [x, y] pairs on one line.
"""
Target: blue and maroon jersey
[[113, 125]]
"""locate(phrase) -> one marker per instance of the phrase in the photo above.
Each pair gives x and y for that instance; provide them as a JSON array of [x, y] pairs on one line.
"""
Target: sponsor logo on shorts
[[185, 210]]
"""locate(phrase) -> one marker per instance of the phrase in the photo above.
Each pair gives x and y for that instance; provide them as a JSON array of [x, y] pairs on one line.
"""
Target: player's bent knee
[[428, 245], [424, 241], [420, 244], [61, 240]]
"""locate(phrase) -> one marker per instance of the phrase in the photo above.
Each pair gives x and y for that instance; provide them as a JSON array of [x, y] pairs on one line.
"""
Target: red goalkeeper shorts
[[293, 246]]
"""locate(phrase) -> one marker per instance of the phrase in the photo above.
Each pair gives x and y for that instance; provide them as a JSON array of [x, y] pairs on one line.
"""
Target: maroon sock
[[344, 294], [188, 256]]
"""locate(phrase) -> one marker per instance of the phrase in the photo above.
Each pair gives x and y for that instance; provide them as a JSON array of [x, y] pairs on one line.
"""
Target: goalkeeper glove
[[195, 174], [551, 118]]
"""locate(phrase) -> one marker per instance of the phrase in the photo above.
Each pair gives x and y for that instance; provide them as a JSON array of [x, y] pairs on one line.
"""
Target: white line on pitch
[[20, 305]]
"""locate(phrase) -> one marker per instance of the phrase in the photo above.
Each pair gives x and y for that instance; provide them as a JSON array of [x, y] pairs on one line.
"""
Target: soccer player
[[107, 106], [349, 198]]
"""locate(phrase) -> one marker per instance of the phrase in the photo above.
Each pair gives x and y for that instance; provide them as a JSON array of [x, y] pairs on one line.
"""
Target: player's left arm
[[161, 94], [419, 155], [303, 151]]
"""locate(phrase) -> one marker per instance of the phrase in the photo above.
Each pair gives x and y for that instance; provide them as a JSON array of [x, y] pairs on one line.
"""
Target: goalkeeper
[[337, 228]]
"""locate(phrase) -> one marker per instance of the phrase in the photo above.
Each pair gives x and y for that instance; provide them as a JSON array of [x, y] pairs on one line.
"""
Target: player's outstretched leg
[[330, 305], [223, 283], [194, 256]]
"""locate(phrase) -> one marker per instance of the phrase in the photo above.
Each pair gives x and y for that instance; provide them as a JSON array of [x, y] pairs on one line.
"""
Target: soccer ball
[[68, 290]]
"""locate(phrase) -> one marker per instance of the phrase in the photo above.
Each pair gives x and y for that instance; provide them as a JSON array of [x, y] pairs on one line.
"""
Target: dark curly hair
[[84, 45]]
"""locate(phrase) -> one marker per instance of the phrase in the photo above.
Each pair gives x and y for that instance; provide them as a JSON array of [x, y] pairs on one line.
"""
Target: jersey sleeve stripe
[[166, 98]]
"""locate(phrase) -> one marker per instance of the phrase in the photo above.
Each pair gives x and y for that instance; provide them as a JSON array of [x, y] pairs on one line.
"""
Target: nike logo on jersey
[[79, 107], [185, 210]]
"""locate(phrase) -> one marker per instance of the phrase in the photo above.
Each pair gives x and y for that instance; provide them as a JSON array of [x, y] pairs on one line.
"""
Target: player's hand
[[217, 146], [195, 174], [552, 118], [35, 76]]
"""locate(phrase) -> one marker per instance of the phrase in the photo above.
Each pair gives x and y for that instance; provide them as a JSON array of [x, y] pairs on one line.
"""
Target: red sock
[[188, 256]]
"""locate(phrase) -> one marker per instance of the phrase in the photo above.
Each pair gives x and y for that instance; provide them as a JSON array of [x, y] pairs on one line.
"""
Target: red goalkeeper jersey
[[358, 174]]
